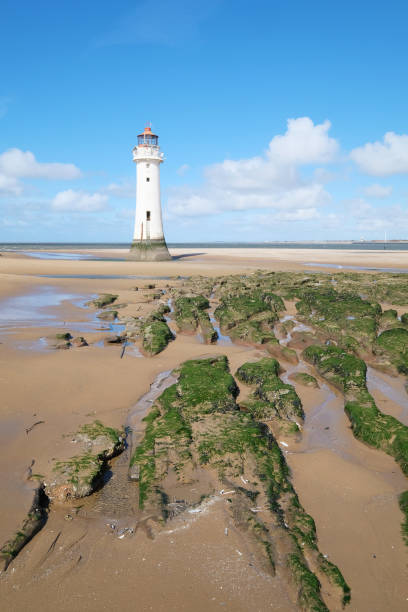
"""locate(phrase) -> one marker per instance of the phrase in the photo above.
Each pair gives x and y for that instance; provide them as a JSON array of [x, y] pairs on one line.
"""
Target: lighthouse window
[[147, 215], [147, 165], [147, 180]]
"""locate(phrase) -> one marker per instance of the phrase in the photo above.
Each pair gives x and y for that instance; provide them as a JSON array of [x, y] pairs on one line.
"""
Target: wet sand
[[349, 489]]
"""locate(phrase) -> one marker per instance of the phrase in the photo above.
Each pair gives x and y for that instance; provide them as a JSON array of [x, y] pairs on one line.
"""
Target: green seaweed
[[197, 421], [156, 336], [395, 343], [305, 379], [403, 502], [96, 429], [104, 300], [309, 585], [369, 424]]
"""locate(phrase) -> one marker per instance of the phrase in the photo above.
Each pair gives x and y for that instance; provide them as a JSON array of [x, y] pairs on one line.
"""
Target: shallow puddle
[[344, 267], [222, 340], [31, 309], [392, 389], [108, 276], [57, 255]]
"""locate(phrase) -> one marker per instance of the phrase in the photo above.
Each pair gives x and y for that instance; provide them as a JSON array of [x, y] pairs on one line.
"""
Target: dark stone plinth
[[149, 250]]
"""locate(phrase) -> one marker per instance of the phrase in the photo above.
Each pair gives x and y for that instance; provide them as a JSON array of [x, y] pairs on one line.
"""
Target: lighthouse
[[148, 238]]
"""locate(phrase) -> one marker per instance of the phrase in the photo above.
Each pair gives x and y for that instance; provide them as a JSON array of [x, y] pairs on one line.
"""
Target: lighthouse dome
[[147, 138]]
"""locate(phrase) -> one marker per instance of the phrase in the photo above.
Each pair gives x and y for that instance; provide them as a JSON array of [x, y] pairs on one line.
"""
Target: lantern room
[[147, 138]]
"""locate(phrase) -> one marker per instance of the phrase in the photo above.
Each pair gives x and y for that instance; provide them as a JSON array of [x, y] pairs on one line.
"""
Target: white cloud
[[302, 214], [23, 164], [304, 143], [271, 180], [378, 191], [362, 216], [383, 159], [125, 189], [9, 185], [79, 201]]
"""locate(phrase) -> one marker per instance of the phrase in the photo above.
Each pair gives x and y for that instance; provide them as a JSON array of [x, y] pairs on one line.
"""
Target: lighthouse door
[[148, 225]]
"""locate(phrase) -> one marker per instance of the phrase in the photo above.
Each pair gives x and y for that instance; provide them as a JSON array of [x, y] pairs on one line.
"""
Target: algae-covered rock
[[156, 336], [79, 341], [208, 332], [394, 342], [253, 331], [280, 351], [195, 427], [369, 425], [235, 309], [305, 379], [343, 369], [272, 400], [208, 384], [63, 336], [80, 475], [36, 518], [115, 339], [104, 300], [403, 503], [187, 311], [342, 315], [134, 327], [250, 317], [107, 315]]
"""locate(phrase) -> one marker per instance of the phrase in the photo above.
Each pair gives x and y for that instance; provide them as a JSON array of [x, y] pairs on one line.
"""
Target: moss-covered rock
[[156, 336], [272, 401], [34, 521], [394, 342], [208, 332], [403, 502], [235, 309], [305, 379], [104, 300], [255, 332], [196, 424], [369, 425], [250, 316], [63, 336], [80, 475], [352, 321], [107, 315]]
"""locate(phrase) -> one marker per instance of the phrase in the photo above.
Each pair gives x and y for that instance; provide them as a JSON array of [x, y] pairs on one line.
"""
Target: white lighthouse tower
[[148, 238]]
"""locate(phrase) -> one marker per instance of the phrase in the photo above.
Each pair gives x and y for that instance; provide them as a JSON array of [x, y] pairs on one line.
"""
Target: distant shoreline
[[391, 245]]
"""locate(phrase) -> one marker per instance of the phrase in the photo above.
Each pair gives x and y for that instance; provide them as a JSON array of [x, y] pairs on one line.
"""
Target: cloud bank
[[272, 180], [79, 201], [16, 164], [383, 158]]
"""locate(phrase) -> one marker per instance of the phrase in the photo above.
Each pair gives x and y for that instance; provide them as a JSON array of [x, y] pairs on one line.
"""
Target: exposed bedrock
[[35, 520], [80, 475], [197, 433]]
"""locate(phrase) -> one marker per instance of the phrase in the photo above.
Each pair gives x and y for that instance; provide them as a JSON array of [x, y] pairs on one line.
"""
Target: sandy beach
[[349, 489]]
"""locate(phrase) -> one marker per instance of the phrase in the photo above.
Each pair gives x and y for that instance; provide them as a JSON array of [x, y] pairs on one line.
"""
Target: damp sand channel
[[352, 493]]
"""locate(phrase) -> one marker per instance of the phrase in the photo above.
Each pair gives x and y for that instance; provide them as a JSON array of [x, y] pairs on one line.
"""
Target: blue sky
[[279, 119]]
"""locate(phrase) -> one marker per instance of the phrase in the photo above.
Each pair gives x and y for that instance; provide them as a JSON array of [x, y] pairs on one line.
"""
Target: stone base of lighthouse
[[149, 250]]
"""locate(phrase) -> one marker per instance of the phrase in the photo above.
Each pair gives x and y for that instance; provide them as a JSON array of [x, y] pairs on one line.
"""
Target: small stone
[[113, 340], [79, 341]]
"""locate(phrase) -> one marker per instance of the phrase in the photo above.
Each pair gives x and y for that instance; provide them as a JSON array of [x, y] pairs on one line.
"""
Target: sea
[[346, 245]]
